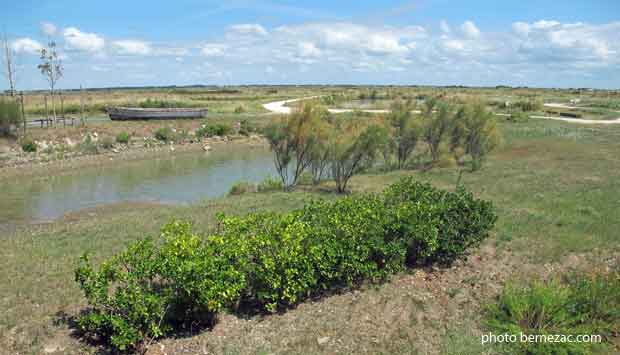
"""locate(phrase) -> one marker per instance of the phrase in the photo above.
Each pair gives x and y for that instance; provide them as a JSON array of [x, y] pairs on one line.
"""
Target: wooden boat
[[136, 113]]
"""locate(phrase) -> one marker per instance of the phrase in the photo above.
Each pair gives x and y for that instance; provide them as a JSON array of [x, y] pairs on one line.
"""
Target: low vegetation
[[10, 117], [580, 304], [213, 129], [270, 261], [122, 138]]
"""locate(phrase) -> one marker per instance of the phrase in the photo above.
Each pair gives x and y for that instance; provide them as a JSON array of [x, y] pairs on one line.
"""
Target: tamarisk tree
[[51, 68]]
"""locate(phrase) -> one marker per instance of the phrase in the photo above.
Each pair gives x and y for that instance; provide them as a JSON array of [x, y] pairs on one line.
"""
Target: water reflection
[[182, 178]]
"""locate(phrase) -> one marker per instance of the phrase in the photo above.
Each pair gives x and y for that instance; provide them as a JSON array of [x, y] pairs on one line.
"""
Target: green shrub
[[518, 116], [210, 130], [270, 183], [28, 145], [245, 128], [239, 109], [88, 146], [463, 221], [164, 134], [581, 304], [241, 187], [122, 138], [9, 116], [107, 143], [270, 261]]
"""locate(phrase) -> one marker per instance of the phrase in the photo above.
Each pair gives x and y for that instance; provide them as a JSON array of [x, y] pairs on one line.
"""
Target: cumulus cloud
[[248, 29], [132, 47], [552, 40], [26, 45], [48, 29], [445, 28], [308, 49], [83, 41], [470, 30], [212, 50]]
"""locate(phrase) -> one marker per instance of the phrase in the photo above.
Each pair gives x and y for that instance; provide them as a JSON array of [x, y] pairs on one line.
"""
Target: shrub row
[[270, 261]]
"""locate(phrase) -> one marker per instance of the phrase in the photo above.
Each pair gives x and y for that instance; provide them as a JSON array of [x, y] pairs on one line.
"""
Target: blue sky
[[131, 43]]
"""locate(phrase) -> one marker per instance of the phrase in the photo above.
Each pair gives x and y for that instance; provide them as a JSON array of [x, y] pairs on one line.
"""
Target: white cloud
[[470, 30], [26, 45], [454, 44], [521, 28], [83, 41], [212, 50], [132, 47], [445, 28], [308, 49], [48, 29], [248, 29]]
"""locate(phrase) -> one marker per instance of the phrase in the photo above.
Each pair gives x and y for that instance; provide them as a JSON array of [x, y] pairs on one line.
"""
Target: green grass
[[556, 187]]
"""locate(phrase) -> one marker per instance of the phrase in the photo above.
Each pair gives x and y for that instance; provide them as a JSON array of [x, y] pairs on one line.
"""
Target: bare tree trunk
[[9, 65]]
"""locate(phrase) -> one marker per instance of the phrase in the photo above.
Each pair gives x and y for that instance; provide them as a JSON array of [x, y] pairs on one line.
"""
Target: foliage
[[245, 128], [89, 146], [9, 115], [475, 130], [214, 129], [239, 109], [122, 138], [529, 105], [148, 290], [354, 149], [581, 304], [437, 119], [107, 143], [52, 69], [241, 187], [270, 261], [270, 183], [28, 145], [518, 116], [293, 140], [164, 134], [157, 103], [405, 131]]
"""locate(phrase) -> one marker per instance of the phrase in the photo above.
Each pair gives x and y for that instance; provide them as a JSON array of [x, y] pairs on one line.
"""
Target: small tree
[[354, 148], [475, 130], [52, 69], [294, 139], [8, 64], [405, 131], [436, 126]]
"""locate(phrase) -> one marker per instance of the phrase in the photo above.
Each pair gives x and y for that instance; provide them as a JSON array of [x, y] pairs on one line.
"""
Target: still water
[[179, 179]]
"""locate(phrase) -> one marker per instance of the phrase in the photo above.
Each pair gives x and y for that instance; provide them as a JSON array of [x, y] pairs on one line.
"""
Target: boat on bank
[[136, 113]]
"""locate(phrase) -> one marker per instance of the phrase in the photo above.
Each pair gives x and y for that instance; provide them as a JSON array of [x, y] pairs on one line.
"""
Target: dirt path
[[280, 108]]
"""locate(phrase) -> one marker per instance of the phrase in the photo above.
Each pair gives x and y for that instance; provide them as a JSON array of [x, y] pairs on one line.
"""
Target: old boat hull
[[131, 113]]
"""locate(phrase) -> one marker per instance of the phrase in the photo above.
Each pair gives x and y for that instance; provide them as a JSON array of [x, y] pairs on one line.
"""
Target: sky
[[541, 43]]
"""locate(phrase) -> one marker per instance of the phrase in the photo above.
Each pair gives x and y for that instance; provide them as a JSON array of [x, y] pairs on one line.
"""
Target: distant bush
[[9, 115], [107, 143], [245, 128], [529, 105], [164, 134], [242, 187], [211, 130], [583, 304], [518, 116], [270, 183], [88, 146], [239, 109], [28, 145], [157, 103], [122, 138], [269, 261]]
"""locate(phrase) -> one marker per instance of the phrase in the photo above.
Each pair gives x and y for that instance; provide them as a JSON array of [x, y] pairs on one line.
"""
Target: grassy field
[[556, 187]]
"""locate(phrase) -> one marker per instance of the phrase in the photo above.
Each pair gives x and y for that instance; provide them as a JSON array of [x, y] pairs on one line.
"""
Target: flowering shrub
[[269, 261]]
